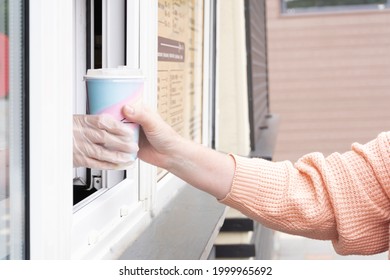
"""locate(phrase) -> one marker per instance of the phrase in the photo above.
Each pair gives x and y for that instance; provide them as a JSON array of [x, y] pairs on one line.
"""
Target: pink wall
[[329, 78]]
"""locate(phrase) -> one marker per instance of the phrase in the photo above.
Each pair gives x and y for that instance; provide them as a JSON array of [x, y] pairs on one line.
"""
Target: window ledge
[[185, 229]]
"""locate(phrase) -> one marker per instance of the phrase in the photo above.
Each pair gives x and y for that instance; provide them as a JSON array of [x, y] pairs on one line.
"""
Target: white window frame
[[51, 86], [56, 232], [113, 55], [103, 228], [113, 218]]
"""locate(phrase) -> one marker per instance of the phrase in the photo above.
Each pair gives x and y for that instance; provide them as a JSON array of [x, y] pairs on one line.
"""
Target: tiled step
[[235, 251], [235, 237]]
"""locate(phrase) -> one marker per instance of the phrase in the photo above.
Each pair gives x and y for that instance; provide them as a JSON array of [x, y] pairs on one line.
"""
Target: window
[[301, 6], [4, 159], [107, 36], [103, 24], [80, 222], [180, 66], [65, 44], [12, 128]]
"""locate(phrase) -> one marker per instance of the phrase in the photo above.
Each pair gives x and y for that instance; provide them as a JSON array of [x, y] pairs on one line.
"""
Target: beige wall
[[329, 79], [231, 80]]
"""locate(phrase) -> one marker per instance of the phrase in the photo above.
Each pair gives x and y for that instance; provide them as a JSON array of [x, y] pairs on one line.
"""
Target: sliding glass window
[[12, 131]]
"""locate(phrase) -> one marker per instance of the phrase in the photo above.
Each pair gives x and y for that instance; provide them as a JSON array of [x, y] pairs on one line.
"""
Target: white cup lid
[[122, 72]]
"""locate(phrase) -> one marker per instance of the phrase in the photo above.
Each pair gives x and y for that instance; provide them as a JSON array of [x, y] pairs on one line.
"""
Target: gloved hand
[[101, 142]]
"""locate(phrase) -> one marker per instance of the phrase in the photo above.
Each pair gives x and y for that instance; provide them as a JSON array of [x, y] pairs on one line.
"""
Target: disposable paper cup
[[108, 90]]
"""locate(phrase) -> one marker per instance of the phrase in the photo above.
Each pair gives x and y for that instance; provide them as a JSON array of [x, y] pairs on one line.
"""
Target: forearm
[[160, 145], [202, 167]]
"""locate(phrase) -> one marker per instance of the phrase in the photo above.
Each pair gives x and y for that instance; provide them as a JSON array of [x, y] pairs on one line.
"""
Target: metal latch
[[96, 182]]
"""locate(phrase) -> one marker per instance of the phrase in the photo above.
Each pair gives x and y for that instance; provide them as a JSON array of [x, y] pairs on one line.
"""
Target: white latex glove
[[101, 142]]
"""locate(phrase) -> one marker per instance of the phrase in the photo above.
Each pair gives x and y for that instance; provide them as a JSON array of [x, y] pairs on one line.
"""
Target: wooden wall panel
[[329, 79]]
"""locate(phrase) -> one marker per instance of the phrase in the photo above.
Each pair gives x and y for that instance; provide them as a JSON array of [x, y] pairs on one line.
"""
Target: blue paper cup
[[108, 90]]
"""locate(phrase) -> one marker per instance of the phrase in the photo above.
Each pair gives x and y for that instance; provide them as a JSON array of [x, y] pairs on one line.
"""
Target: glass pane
[[12, 235], [180, 66], [4, 158]]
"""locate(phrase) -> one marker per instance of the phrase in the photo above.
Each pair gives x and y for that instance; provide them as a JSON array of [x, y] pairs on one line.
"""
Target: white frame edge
[[51, 86]]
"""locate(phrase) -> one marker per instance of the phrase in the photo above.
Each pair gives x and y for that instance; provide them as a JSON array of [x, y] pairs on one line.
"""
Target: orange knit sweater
[[343, 197]]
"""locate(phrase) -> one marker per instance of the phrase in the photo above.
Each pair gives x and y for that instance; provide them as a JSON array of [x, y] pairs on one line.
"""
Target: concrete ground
[[290, 247]]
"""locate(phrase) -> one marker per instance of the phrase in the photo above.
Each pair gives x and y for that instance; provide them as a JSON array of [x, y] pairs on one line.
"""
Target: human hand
[[157, 140], [101, 142]]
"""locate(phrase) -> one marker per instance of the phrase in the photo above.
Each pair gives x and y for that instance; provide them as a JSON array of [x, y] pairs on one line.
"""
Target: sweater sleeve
[[344, 197]]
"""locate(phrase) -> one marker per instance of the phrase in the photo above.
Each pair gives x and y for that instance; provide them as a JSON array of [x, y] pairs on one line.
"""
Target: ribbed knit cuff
[[245, 179], [257, 187]]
